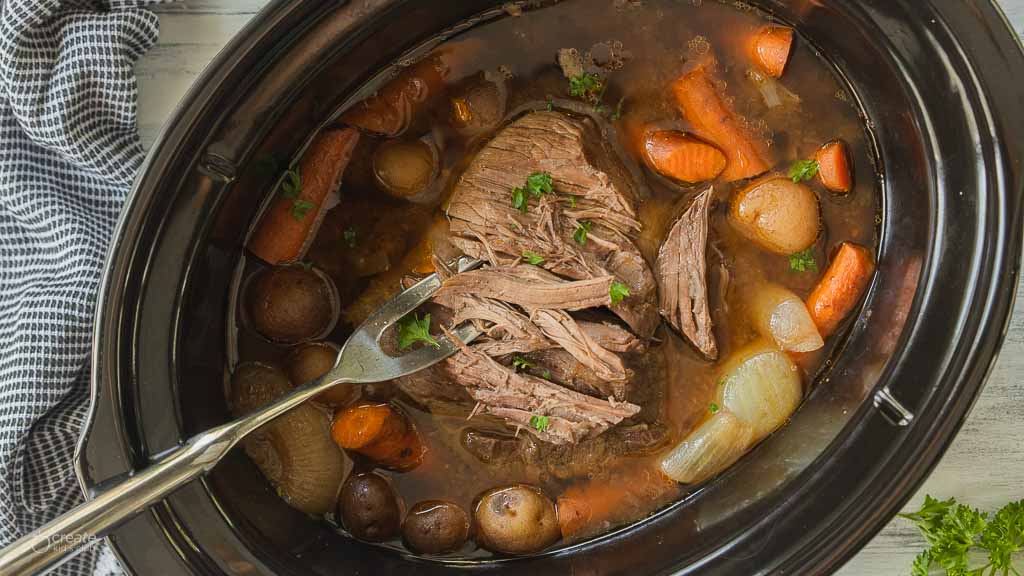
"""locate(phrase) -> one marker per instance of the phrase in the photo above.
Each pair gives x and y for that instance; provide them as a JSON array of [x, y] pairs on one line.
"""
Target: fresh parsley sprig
[[953, 530], [412, 329]]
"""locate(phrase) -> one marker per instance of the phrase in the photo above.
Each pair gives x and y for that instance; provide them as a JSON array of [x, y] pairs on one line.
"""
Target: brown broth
[[657, 36]]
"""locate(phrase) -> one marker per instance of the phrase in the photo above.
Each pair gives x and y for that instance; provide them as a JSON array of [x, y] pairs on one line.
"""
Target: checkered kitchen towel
[[69, 148]]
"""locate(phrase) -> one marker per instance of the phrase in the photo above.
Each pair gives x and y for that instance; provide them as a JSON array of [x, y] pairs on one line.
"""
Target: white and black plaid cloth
[[69, 148]]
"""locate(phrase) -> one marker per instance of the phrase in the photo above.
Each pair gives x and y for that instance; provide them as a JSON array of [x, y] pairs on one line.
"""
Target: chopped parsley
[[532, 257], [539, 183], [412, 329], [540, 423], [618, 292], [588, 86], [351, 236], [803, 170], [521, 363], [572, 200], [713, 408], [551, 105], [520, 199], [546, 374], [803, 261], [580, 235], [300, 208]]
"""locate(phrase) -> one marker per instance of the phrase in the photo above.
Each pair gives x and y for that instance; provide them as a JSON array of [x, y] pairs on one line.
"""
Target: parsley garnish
[[351, 236], [953, 530], [551, 105], [546, 374], [291, 187], [300, 208], [519, 199], [521, 363], [541, 423], [572, 200], [580, 235], [618, 291], [588, 86], [532, 257], [713, 408], [803, 170], [539, 183], [803, 261], [412, 329]]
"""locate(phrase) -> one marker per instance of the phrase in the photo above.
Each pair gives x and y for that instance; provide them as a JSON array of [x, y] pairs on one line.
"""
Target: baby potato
[[292, 304], [517, 519], [369, 508], [436, 527], [777, 214]]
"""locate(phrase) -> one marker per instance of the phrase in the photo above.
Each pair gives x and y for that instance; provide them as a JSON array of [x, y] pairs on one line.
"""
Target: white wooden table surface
[[985, 464]]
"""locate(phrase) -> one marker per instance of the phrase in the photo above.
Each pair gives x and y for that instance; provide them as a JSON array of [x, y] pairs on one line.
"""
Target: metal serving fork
[[361, 361]]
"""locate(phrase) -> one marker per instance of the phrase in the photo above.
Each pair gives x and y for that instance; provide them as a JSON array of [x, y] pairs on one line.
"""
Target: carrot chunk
[[834, 168], [380, 433], [292, 220], [393, 108], [841, 287], [714, 121], [769, 48], [588, 507], [683, 158]]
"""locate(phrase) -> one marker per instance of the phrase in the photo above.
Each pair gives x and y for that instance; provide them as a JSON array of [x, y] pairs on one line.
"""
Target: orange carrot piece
[[585, 508], [393, 108], [289, 224], [841, 287], [380, 433], [834, 168], [714, 121], [683, 158], [769, 48]]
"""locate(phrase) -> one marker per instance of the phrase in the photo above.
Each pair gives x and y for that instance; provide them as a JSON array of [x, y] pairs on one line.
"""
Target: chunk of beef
[[682, 273], [491, 447], [564, 331], [529, 287], [566, 461], [591, 189], [516, 397]]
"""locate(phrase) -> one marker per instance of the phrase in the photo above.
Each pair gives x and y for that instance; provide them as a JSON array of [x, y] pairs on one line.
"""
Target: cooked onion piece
[[777, 214], [762, 387], [781, 315], [294, 452], [406, 169], [712, 447]]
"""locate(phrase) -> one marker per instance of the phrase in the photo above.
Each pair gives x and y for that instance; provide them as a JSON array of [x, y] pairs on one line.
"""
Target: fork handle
[[118, 500], [123, 497]]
